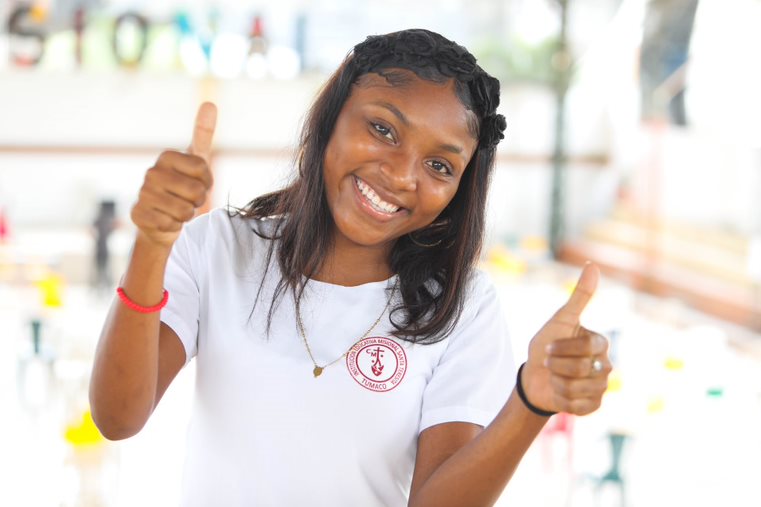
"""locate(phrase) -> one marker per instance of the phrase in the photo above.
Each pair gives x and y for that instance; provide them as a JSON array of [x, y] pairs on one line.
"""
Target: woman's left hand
[[568, 366]]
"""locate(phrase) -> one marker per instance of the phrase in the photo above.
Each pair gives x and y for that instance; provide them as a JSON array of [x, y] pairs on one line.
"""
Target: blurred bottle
[[103, 226], [257, 42], [256, 63], [35, 372]]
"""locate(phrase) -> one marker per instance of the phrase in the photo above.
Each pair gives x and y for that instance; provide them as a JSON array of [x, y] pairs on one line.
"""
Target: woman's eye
[[440, 167], [383, 131]]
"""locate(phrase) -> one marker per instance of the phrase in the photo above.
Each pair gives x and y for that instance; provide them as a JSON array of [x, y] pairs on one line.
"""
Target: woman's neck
[[349, 264]]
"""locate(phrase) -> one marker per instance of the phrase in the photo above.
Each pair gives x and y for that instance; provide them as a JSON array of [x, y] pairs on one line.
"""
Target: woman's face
[[395, 158]]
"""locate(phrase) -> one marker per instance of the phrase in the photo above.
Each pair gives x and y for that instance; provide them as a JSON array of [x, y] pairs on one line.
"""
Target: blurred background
[[632, 141]]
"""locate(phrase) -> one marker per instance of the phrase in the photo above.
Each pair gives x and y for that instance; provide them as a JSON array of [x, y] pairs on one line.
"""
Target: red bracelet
[[142, 309]]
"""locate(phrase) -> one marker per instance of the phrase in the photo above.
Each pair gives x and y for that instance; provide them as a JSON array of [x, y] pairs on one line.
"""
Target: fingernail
[[546, 362], [548, 349]]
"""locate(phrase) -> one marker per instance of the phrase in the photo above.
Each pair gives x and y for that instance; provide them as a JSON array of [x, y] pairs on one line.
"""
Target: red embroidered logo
[[376, 363]]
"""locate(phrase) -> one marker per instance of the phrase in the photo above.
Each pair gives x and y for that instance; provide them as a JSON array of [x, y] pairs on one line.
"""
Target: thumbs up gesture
[[177, 184], [568, 366]]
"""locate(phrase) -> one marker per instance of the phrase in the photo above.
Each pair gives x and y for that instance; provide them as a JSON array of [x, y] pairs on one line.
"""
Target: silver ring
[[596, 366]]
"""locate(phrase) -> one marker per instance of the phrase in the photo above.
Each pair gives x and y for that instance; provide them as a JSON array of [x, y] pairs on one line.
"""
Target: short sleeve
[[477, 370], [182, 311]]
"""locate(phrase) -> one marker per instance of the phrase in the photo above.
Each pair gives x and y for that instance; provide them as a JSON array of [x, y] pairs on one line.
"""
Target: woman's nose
[[400, 173]]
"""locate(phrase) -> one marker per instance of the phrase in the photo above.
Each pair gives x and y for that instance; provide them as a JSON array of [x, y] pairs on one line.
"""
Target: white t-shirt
[[264, 430]]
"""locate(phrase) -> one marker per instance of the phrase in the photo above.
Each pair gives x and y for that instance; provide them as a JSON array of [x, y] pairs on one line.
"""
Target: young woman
[[347, 350]]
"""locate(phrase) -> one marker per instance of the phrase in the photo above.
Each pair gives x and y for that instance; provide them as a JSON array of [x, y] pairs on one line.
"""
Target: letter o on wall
[[130, 56]]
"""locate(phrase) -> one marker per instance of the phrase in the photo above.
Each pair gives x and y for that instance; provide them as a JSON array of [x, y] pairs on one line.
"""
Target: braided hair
[[435, 58], [435, 265]]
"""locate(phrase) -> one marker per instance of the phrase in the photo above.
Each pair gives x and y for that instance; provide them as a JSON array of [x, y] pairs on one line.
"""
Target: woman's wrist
[[143, 280], [520, 388]]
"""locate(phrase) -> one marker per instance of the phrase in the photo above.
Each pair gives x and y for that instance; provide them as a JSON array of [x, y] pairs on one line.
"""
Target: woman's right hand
[[176, 185]]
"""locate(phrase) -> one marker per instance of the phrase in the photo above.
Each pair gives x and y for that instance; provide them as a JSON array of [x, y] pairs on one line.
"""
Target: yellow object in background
[[656, 405], [674, 364], [39, 12], [535, 244], [503, 261], [569, 286], [614, 382], [85, 433], [51, 286]]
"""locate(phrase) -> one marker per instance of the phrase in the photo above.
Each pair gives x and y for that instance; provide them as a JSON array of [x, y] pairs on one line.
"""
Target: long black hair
[[433, 264]]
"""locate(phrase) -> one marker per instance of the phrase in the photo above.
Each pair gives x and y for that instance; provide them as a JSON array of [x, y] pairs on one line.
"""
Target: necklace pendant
[[317, 371]]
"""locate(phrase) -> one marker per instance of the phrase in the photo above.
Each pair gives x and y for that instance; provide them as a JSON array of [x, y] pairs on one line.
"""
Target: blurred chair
[[613, 475], [560, 425]]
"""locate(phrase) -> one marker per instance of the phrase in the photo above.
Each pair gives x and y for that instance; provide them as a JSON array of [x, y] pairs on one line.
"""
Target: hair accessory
[[524, 399], [142, 309], [492, 128]]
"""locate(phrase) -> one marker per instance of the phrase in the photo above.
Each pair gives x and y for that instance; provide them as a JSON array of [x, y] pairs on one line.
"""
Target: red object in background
[[562, 426], [3, 226], [257, 40], [258, 29]]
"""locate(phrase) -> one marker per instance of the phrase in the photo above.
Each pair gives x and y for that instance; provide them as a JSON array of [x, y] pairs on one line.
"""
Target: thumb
[[582, 293], [203, 131]]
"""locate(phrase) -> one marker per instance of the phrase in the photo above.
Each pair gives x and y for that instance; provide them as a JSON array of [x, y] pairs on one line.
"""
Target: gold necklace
[[318, 369]]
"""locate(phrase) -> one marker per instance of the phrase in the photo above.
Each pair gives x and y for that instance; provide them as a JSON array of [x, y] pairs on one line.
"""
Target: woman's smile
[[372, 202]]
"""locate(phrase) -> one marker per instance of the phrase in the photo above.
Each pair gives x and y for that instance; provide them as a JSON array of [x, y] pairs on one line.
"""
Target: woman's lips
[[372, 203]]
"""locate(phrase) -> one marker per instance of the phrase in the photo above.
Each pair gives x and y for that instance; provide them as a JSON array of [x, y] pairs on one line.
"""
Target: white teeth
[[377, 203]]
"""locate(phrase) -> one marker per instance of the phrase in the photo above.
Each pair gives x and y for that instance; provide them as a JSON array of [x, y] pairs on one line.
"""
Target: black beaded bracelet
[[522, 394]]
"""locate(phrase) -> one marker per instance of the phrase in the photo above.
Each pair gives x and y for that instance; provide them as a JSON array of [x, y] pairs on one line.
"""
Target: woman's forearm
[[478, 472], [125, 371]]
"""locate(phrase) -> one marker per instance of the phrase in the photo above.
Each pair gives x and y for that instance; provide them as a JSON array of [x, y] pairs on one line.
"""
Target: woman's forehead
[[421, 99]]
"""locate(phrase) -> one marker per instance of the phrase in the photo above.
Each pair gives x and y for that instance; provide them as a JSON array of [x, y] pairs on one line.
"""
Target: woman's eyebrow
[[452, 148], [395, 111]]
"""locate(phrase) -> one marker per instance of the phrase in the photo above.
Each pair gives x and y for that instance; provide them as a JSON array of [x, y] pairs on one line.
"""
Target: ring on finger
[[596, 366]]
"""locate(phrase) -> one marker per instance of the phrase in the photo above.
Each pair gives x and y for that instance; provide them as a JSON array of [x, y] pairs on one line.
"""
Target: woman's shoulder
[[223, 232], [479, 285], [225, 221]]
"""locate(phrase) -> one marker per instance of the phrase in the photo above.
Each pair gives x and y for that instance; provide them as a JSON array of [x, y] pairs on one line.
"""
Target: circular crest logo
[[377, 363]]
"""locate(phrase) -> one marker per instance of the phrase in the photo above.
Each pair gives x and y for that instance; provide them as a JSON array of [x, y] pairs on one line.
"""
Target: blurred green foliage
[[519, 61]]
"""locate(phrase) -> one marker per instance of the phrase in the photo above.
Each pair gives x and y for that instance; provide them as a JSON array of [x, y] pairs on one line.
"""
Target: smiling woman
[[405, 109], [348, 352], [393, 163]]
